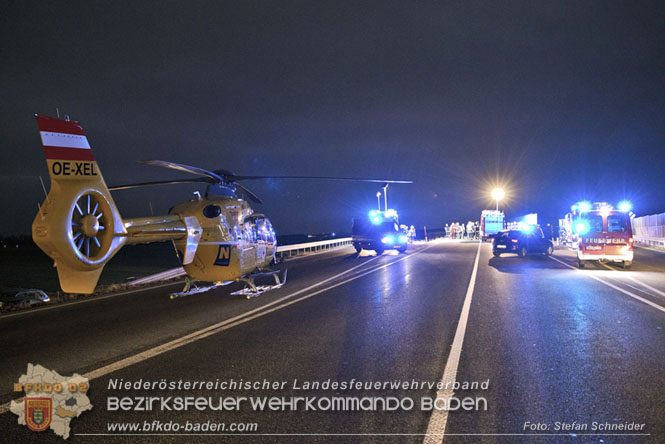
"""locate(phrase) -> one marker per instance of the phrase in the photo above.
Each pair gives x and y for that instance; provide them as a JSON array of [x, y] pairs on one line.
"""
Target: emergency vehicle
[[491, 222], [603, 233], [379, 232]]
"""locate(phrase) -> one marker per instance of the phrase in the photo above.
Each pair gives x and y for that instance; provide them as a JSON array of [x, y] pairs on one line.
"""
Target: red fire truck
[[491, 222], [603, 233]]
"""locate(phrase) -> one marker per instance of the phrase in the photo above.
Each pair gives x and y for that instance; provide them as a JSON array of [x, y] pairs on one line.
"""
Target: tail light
[[514, 241]]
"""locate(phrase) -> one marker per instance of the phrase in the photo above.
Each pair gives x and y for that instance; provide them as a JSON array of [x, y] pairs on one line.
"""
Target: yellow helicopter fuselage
[[234, 240]]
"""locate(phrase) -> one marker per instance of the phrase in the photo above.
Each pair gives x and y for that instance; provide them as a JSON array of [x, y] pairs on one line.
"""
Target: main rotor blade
[[162, 182], [185, 168], [354, 179], [248, 193]]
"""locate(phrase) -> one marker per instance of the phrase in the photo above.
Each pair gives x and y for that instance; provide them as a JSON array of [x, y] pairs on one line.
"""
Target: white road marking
[[229, 323], [436, 428], [655, 290], [626, 292], [651, 249]]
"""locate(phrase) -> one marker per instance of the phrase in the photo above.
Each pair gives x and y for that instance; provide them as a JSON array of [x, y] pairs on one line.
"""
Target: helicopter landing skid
[[252, 290], [193, 289]]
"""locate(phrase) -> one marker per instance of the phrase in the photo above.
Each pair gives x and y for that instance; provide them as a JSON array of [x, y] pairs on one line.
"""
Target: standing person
[[447, 230], [411, 235]]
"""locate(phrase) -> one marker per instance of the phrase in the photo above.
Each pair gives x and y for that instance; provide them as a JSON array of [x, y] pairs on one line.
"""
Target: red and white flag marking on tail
[[63, 140]]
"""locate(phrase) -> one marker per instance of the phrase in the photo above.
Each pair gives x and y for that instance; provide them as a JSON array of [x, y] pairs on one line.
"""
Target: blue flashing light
[[387, 240], [403, 239], [624, 206], [582, 227], [376, 217]]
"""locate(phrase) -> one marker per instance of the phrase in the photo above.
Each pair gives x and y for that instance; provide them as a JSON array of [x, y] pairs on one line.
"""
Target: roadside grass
[[28, 267]]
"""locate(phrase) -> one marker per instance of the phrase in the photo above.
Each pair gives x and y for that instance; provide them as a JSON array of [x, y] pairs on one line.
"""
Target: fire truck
[[602, 233], [491, 222]]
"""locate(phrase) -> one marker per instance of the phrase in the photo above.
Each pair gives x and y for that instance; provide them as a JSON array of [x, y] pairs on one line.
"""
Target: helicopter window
[[250, 232], [261, 229], [212, 211], [270, 233]]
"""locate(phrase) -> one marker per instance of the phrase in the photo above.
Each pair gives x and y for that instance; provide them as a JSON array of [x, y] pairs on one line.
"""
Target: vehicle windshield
[[595, 223], [361, 226], [616, 223]]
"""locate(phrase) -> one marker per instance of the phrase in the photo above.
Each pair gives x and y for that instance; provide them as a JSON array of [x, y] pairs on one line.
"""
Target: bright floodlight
[[584, 206], [624, 206], [498, 194]]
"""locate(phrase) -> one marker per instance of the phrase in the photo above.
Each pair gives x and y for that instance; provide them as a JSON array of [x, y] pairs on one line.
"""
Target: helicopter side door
[[259, 236]]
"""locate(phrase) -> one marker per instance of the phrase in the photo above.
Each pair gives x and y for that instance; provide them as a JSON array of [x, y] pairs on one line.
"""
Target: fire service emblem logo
[[38, 413]]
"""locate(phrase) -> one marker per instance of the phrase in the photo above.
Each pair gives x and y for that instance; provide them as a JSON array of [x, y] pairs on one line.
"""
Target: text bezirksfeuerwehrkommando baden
[[232, 401]]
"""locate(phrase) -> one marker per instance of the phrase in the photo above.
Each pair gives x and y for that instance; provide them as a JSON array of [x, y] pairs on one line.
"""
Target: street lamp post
[[378, 199], [498, 194], [385, 197]]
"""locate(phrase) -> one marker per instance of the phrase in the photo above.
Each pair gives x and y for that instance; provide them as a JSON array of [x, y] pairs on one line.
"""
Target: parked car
[[522, 242], [21, 297]]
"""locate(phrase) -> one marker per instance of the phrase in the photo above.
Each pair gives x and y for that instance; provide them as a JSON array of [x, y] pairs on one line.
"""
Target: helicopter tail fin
[[78, 225]]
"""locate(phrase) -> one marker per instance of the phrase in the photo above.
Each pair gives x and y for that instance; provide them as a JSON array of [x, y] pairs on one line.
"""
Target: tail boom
[[78, 225]]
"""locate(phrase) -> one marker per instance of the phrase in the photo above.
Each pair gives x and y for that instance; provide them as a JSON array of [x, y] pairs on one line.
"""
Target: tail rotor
[[91, 227]]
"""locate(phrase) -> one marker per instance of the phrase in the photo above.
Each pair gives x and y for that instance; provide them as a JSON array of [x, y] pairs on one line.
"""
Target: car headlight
[[387, 240], [403, 239]]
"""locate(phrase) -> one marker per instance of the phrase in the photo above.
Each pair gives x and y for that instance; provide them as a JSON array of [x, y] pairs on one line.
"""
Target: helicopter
[[218, 236]]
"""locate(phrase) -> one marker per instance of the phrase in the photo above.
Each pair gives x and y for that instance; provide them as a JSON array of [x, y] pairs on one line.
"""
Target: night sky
[[556, 101]]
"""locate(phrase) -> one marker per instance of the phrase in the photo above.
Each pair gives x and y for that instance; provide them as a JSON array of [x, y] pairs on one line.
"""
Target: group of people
[[457, 230], [410, 232]]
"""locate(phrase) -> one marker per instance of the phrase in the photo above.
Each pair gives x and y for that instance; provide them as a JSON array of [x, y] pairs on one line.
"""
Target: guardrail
[[656, 242], [289, 250], [283, 250]]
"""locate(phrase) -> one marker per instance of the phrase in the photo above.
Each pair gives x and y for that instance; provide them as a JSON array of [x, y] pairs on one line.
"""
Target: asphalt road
[[552, 343]]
